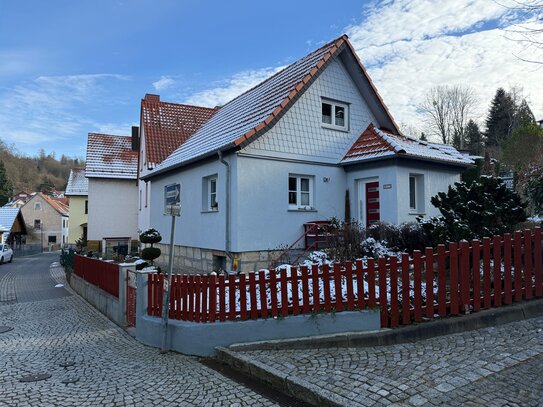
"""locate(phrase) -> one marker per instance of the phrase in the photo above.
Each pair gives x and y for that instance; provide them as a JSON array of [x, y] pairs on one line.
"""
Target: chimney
[[149, 97], [135, 138]]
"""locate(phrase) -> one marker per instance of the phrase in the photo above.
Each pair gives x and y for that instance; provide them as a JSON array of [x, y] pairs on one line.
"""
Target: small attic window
[[335, 115]]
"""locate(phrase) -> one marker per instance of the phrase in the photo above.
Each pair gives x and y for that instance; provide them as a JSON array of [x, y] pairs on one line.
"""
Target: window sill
[[301, 210], [332, 127], [208, 211], [411, 212]]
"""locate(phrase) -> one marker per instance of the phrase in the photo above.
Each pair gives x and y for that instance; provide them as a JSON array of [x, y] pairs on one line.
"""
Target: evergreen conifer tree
[[474, 138], [499, 122]]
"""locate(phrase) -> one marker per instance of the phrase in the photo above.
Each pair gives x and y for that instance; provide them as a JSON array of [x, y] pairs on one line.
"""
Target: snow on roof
[[168, 125], [78, 184], [374, 144], [247, 116], [7, 218], [111, 156]]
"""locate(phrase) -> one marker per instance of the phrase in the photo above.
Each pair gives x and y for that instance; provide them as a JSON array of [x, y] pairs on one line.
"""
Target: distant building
[[77, 192], [111, 171], [18, 200], [46, 220]]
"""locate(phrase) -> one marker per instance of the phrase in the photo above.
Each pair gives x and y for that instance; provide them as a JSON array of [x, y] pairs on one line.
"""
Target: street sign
[[172, 200]]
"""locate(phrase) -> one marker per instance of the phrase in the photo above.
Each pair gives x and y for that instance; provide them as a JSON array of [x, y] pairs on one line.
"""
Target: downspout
[[227, 208]]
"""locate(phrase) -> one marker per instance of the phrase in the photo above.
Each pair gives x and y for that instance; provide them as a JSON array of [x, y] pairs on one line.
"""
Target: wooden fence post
[[383, 291], [453, 262], [429, 254], [507, 276], [394, 310], [417, 285], [486, 273], [441, 281], [538, 271]]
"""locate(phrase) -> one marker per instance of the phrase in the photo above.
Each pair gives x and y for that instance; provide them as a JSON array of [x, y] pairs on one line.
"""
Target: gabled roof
[[375, 144], [168, 125], [7, 218], [249, 115], [111, 156], [58, 204], [78, 184]]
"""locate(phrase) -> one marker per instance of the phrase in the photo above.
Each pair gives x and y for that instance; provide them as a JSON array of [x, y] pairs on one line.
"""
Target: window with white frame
[[335, 115], [209, 188], [416, 193], [300, 192]]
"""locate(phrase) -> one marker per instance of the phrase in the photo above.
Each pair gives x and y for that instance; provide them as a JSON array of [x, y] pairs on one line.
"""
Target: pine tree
[[6, 188], [499, 122], [474, 138], [524, 115]]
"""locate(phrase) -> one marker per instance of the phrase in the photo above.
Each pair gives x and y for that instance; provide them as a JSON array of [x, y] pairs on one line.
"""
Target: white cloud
[[227, 90], [411, 46], [52, 108], [163, 83]]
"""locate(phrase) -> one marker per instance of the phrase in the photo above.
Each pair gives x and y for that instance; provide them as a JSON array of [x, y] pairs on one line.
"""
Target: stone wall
[[195, 260]]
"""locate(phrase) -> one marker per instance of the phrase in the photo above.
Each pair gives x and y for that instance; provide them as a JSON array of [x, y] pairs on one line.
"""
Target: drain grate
[[35, 377], [4, 329]]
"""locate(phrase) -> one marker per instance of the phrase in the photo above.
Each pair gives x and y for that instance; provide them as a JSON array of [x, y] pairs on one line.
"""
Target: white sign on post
[[172, 200]]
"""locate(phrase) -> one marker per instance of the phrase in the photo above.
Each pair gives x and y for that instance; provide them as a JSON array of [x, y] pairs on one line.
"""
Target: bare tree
[[437, 110], [447, 110], [529, 33]]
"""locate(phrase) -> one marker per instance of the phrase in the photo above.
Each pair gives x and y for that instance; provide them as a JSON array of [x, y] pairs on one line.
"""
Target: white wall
[[195, 227], [113, 208], [144, 207], [437, 178], [299, 133], [262, 219]]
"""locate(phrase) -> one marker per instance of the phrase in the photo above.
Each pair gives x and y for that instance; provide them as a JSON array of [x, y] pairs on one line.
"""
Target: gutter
[[227, 207]]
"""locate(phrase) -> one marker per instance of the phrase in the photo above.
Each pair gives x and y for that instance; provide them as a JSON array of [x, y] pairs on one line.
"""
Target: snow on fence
[[462, 279], [102, 274]]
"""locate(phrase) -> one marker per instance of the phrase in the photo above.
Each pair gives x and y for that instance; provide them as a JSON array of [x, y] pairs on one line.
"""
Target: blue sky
[[72, 67]]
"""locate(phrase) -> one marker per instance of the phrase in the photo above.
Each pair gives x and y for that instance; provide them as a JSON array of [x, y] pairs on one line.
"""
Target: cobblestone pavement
[[498, 366], [68, 339]]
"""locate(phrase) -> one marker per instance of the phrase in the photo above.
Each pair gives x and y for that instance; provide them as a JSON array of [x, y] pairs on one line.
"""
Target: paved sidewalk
[[107, 366], [495, 366]]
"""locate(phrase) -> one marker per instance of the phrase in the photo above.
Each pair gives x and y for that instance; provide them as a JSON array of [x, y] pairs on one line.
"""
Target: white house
[[111, 169], [288, 152], [163, 127]]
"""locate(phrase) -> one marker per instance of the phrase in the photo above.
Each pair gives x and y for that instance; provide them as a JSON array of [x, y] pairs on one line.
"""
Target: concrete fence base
[[201, 339]]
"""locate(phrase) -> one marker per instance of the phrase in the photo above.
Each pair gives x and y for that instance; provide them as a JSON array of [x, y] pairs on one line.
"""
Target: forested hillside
[[42, 172]]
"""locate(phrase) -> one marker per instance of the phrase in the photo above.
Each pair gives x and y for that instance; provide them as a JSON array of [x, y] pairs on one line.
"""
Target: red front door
[[372, 203]]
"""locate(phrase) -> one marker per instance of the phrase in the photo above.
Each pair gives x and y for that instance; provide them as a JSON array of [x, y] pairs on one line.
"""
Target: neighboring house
[[77, 192], [18, 200], [302, 146], [163, 127], [46, 220], [111, 170], [12, 227]]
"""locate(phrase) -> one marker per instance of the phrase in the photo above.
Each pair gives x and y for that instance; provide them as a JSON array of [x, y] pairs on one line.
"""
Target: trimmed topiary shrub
[[150, 236]]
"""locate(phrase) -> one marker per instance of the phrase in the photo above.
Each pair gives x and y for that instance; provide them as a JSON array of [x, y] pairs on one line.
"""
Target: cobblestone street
[[498, 366], [66, 338]]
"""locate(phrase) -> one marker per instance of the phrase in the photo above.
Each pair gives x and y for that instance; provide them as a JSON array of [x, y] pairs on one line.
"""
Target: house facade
[[111, 170], [77, 193], [307, 144], [46, 221]]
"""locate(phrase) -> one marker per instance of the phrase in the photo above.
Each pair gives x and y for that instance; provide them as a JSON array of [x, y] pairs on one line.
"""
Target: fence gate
[[131, 297]]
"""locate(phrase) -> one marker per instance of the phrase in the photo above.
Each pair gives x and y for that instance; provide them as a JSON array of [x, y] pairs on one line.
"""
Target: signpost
[[172, 207]]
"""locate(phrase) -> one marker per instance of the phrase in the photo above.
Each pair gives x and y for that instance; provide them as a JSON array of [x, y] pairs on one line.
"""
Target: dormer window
[[335, 115]]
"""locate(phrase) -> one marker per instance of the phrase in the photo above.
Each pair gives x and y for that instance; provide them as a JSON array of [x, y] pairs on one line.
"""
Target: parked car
[[6, 254]]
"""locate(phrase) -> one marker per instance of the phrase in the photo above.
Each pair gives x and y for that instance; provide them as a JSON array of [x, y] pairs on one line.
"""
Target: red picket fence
[[462, 279], [102, 274]]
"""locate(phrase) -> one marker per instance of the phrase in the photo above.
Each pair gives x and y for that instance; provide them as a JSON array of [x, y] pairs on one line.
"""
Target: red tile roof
[[111, 156], [168, 125], [374, 144], [249, 115], [59, 204]]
